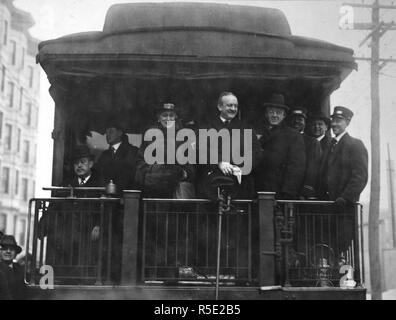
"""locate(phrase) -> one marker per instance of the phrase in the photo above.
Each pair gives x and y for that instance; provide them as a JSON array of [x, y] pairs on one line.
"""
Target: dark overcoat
[[15, 281], [119, 167], [247, 188], [344, 172], [283, 165], [313, 153], [160, 180]]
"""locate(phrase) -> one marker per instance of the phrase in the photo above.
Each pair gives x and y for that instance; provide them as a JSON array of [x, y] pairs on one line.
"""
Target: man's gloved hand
[[226, 168]]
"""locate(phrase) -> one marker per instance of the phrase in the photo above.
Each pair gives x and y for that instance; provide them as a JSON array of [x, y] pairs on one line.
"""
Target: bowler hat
[[299, 112], [118, 124], [342, 112], [320, 116], [82, 152], [9, 241], [276, 101]]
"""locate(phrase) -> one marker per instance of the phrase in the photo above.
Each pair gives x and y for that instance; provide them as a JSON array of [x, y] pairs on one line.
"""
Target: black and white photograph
[[209, 151]]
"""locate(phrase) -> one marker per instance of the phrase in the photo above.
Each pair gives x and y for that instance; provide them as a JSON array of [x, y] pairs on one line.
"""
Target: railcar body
[[188, 53]]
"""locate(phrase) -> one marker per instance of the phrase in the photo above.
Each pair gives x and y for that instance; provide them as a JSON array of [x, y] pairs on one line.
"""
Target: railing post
[[129, 271], [266, 238]]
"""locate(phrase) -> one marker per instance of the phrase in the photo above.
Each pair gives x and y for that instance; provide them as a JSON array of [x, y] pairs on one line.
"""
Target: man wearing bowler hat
[[283, 165], [68, 234], [13, 272], [313, 153], [344, 169]]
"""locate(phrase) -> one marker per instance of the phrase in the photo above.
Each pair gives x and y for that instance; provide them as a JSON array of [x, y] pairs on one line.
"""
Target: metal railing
[[180, 242], [64, 239], [266, 241], [319, 243]]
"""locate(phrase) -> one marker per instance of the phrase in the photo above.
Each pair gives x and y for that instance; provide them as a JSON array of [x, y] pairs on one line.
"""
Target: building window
[[13, 51], [26, 147], [3, 223], [19, 140], [5, 36], [25, 189], [20, 98], [5, 180], [1, 124], [8, 136], [21, 231], [31, 74], [23, 58], [29, 114], [11, 86], [16, 182], [3, 75]]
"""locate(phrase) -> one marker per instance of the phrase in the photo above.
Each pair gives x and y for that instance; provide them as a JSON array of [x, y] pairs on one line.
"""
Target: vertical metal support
[[129, 271], [266, 238], [220, 217], [33, 266], [35, 237], [360, 252]]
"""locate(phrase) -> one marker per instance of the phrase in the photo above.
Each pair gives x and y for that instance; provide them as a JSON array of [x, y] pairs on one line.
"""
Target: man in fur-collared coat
[[283, 165], [344, 169]]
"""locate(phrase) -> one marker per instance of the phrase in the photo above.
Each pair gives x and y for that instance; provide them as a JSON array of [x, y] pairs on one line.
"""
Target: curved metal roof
[[179, 33]]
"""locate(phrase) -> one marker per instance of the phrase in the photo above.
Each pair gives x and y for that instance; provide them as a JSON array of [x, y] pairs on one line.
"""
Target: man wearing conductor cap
[[344, 169]]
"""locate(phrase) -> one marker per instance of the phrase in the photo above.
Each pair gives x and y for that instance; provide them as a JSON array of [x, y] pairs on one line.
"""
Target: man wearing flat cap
[[313, 153], [13, 272], [283, 165], [344, 169]]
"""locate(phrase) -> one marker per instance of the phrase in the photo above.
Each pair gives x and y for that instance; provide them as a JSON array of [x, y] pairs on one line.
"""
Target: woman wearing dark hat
[[14, 273], [165, 178]]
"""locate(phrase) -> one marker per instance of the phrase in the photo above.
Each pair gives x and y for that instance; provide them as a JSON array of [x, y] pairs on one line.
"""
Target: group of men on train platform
[[283, 158], [286, 158]]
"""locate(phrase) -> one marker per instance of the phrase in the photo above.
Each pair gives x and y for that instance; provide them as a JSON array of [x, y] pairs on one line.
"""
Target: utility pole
[[391, 197], [378, 28]]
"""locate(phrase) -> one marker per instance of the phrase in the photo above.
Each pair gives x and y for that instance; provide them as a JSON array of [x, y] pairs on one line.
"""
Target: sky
[[316, 19]]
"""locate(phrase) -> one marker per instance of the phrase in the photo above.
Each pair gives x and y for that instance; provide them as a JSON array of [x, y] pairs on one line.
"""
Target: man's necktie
[[82, 181], [333, 144], [113, 152]]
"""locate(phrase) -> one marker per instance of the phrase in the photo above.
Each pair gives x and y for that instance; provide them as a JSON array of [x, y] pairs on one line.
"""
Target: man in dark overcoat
[[118, 162], [227, 120], [320, 124], [344, 169], [313, 153], [68, 226], [283, 165], [13, 272]]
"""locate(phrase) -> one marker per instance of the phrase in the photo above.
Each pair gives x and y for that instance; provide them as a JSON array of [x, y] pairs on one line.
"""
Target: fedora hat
[[276, 101], [9, 241], [82, 151]]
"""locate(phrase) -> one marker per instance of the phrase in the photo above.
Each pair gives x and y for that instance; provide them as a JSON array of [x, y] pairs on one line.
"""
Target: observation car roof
[[137, 35]]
